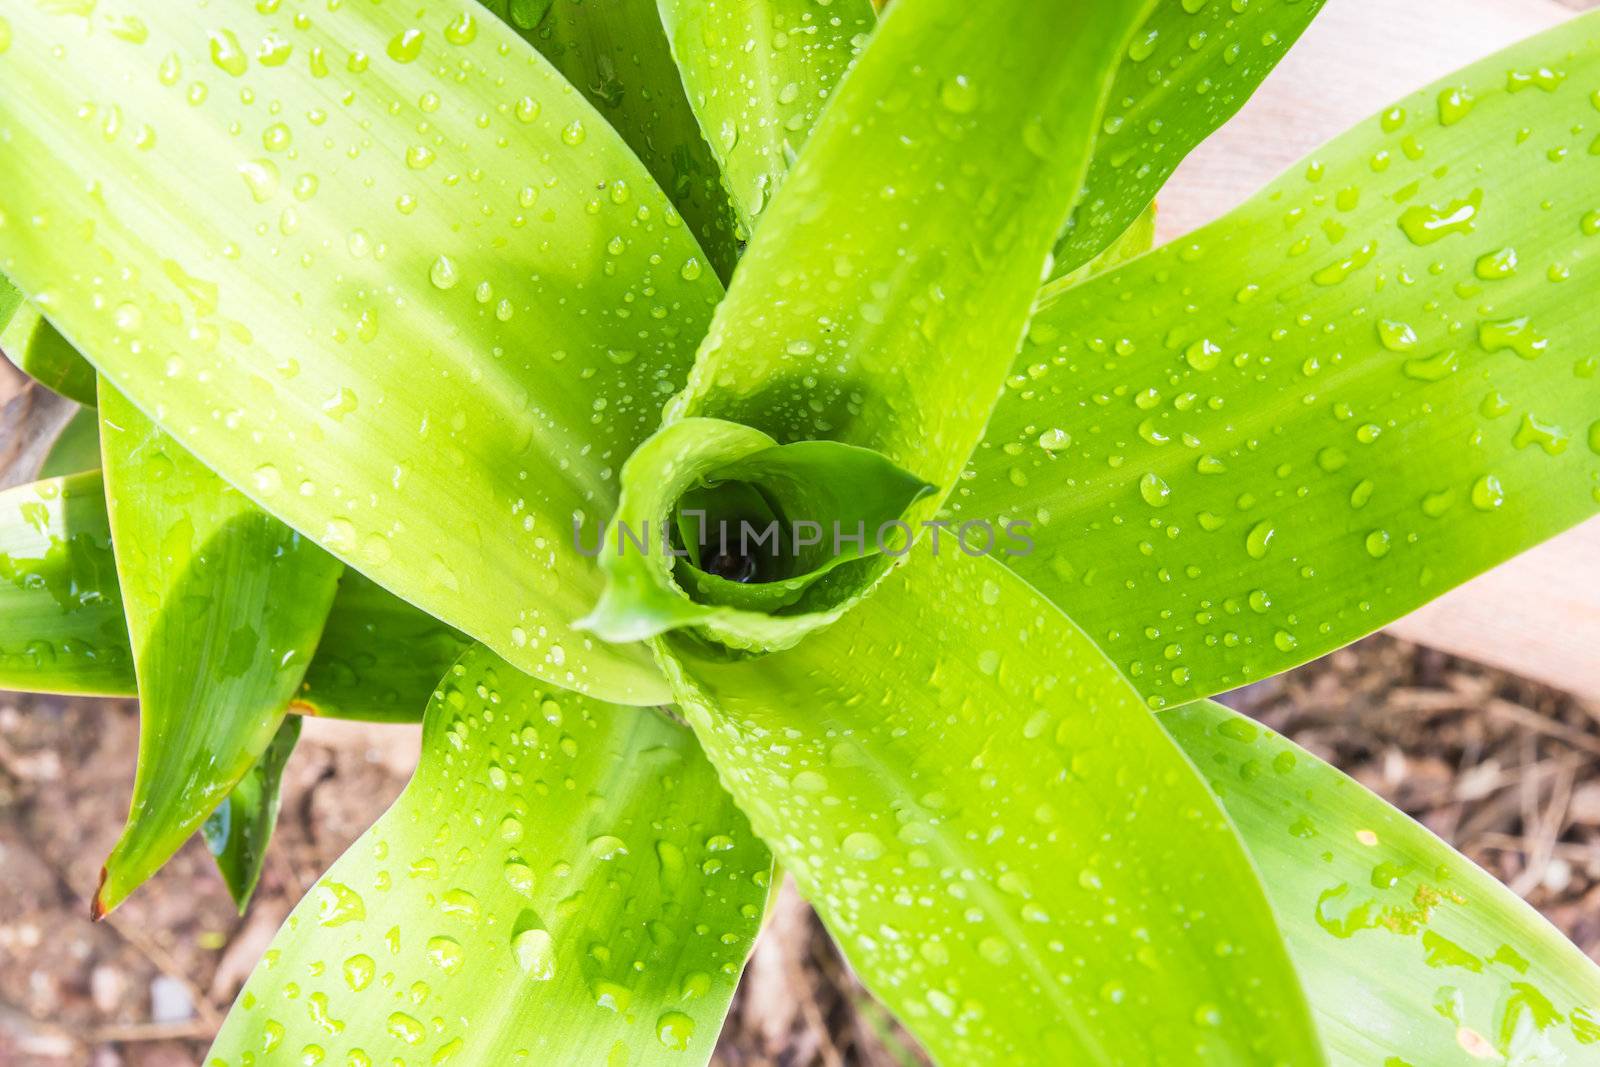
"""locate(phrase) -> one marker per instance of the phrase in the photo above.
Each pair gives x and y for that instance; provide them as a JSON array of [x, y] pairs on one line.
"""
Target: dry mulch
[[1506, 769]]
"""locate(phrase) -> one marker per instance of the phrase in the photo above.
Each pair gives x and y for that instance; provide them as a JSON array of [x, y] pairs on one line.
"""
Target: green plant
[[384, 303]]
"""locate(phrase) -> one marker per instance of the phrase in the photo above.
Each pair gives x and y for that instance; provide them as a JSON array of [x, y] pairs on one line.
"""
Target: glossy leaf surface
[[562, 882], [757, 73], [36, 349], [998, 833], [1188, 69], [419, 301], [61, 623], [1370, 383], [616, 53], [225, 606], [238, 831], [62, 628], [1409, 952]]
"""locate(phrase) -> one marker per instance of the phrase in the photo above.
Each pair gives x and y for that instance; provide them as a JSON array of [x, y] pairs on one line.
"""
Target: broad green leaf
[[563, 882], [36, 349], [1410, 953], [885, 294], [723, 488], [61, 623], [11, 301], [62, 628], [1188, 69], [77, 447], [382, 269], [1370, 383], [757, 73], [237, 832], [1015, 858], [616, 53], [225, 606]]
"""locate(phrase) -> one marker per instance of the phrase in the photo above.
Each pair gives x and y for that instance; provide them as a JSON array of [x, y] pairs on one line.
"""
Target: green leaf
[[61, 623], [1014, 857], [724, 488], [419, 307], [562, 882], [225, 606], [38, 351], [1134, 242], [909, 241], [1408, 950], [1370, 383], [908, 246], [379, 657], [76, 448], [757, 73], [237, 832], [62, 628], [615, 52], [1188, 69]]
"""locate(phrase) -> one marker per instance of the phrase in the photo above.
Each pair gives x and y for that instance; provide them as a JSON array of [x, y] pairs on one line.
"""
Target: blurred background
[[1479, 716]]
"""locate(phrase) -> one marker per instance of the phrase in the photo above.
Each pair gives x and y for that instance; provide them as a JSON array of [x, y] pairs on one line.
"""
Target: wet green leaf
[[62, 628], [757, 73], [61, 623], [237, 832], [998, 833], [225, 606], [908, 244], [420, 308], [1188, 69], [1409, 952], [723, 488], [562, 882], [1370, 383], [615, 52], [38, 351], [76, 448]]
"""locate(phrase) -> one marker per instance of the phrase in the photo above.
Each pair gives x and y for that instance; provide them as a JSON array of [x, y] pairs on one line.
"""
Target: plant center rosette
[[749, 543]]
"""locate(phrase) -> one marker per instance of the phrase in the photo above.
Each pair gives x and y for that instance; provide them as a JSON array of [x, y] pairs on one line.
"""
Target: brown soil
[[1507, 770]]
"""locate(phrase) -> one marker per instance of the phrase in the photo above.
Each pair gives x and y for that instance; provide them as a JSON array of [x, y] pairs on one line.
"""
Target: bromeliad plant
[[389, 309]]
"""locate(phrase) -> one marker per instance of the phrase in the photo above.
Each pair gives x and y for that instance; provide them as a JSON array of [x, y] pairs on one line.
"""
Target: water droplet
[[574, 133], [674, 1029], [863, 846], [1203, 355], [1155, 490], [406, 1028], [462, 29], [1454, 105], [535, 953], [226, 53], [1487, 493], [405, 46], [338, 904], [446, 954], [444, 274], [1055, 440], [1425, 224], [1378, 544], [1493, 266], [959, 95], [1259, 539]]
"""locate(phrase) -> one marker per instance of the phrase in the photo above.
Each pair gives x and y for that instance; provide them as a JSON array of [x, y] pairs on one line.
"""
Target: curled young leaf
[[723, 529], [561, 882], [1409, 952], [1368, 384]]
